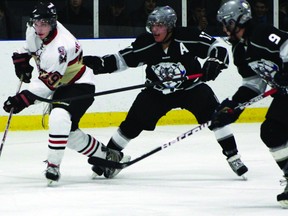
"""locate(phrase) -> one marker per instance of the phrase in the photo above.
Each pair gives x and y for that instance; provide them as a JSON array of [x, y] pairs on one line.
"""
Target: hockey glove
[[22, 67], [225, 114], [100, 65], [96, 63], [281, 81], [19, 101], [211, 69]]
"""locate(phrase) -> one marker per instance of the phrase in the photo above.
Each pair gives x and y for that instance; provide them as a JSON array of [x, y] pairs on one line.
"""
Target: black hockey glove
[[22, 67], [225, 114], [19, 101], [100, 65], [281, 81], [211, 69], [96, 63]]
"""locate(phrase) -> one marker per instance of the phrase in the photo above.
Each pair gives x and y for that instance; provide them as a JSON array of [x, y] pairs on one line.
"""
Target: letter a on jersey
[[183, 49]]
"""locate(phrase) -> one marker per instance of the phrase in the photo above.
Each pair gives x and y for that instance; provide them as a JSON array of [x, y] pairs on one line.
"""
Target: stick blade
[[105, 163]]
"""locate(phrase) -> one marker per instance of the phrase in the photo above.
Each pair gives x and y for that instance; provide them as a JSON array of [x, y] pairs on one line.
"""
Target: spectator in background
[[197, 17], [283, 15], [140, 15], [6, 24], [77, 19], [261, 12], [115, 21], [75, 13]]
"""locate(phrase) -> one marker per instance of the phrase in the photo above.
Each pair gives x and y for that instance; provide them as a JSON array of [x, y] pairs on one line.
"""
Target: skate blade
[[50, 183], [94, 175], [244, 177], [284, 204]]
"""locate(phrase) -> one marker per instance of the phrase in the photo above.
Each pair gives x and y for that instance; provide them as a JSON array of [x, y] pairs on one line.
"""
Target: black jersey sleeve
[[134, 55], [272, 45], [198, 41], [271, 38], [240, 60], [243, 94]]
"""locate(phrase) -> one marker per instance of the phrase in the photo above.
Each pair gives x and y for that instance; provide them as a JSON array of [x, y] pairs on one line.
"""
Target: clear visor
[[151, 24]]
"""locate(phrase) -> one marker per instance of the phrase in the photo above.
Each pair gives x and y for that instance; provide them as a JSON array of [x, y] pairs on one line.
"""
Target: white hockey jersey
[[58, 60]]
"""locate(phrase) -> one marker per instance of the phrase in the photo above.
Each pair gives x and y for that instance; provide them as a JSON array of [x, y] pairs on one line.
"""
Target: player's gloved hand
[[19, 101], [281, 81], [22, 67], [225, 114], [96, 63], [211, 69]]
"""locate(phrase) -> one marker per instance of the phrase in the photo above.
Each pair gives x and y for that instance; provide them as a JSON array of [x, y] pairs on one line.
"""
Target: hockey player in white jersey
[[58, 57]]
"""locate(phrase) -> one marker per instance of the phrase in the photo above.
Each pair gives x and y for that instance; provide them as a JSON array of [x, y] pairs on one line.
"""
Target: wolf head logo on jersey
[[63, 54], [168, 71], [265, 68]]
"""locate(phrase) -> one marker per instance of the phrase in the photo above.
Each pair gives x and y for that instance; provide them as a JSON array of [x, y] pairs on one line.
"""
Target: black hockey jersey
[[180, 58], [263, 42], [264, 45]]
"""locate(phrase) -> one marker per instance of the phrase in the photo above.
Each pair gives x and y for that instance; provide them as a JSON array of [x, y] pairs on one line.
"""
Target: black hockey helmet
[[45, 11], [164, 15], [234, 13]]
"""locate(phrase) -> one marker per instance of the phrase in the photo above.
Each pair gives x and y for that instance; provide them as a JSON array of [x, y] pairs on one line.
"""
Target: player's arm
[[130, 56], [281, 77], [100, 65], [225, 113]]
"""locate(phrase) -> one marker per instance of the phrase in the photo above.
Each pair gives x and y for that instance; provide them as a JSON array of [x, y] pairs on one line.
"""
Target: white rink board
[[225, 85]]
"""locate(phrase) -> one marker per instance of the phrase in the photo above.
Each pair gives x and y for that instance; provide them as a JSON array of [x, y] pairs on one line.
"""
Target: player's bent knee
[[59, 118], [272, 133], [130, 130]]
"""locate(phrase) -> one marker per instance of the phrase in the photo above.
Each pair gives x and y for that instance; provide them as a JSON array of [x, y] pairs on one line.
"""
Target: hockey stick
[[9, 120], [113, 164], [190, 77]]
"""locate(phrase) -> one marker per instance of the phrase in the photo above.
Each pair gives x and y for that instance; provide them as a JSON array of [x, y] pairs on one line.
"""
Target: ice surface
[[191, 177]]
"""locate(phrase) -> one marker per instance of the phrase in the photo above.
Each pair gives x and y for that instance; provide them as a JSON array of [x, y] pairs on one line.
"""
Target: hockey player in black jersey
[[261, 56], [170, 52]]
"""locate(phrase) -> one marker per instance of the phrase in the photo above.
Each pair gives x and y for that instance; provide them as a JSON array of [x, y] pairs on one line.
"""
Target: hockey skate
[[283, 197], [237, 166], [116, 156], [52, 173], [112, 155]]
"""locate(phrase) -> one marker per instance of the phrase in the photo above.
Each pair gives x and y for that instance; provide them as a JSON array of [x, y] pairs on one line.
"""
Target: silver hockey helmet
[[46, 12], [164, 15], [234, 13]]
